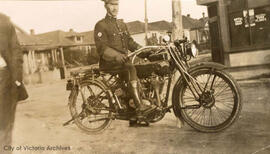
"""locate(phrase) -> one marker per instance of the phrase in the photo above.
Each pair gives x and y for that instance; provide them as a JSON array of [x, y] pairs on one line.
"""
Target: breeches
[[128, 72]]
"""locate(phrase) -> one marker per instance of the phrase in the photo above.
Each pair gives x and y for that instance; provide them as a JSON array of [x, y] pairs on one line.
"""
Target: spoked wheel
[[90, 107], [219, 104]]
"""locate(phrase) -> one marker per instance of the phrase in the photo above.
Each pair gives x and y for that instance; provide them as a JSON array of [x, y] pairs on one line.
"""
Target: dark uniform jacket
[[10, 72], [112, 34], [10, 49]]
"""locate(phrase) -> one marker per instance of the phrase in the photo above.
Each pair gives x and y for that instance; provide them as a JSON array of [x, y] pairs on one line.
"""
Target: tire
[[80, 112], [220, 111]]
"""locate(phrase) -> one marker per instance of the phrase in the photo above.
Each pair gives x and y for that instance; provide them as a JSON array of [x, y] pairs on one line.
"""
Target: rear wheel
[[218, 106], [90, 107]]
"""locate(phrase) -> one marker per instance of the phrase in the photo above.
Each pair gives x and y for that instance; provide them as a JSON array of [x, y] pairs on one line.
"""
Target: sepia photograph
[[134, 76]]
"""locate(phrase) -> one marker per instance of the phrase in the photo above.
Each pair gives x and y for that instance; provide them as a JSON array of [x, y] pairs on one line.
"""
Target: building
[[47, 55], [193, 29], [240, 33]]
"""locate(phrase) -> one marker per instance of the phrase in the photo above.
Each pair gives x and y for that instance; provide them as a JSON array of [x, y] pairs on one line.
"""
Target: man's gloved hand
[[121, 58]]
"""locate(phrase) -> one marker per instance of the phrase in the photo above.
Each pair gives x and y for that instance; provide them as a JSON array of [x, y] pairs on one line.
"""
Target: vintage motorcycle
[[204, 95]]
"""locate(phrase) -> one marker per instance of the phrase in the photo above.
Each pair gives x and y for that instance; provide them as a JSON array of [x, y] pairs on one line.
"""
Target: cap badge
[[99, 34]]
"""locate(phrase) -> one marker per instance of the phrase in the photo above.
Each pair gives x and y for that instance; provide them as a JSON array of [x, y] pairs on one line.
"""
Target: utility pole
[[222, 5], [177, 33], [145, 21]]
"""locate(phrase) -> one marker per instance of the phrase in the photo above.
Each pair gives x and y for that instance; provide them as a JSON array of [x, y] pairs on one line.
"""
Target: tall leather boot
[[140, 107]]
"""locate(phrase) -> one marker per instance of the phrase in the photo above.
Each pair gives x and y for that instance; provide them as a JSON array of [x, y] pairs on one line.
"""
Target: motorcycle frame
[[178, 65]]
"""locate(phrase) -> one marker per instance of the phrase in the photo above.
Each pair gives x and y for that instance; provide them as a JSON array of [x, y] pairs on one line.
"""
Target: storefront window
[[261, 29], [249, 23], [240, 34]]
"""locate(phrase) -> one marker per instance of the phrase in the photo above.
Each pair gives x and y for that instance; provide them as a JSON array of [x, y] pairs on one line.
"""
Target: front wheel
[[218, 104]]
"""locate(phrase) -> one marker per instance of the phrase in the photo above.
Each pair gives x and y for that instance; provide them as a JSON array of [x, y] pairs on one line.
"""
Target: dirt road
[[38, 129]]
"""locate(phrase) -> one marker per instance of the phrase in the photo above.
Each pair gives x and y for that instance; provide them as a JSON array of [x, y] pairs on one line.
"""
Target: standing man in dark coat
[[10, 79], [113, 42]]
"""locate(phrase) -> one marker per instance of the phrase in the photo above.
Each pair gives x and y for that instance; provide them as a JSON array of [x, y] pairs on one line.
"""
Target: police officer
[[10, 79], [113, 42]]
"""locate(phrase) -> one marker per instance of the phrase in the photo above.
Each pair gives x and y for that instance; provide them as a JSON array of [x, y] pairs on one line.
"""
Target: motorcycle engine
[[145, 70], [151, 76]]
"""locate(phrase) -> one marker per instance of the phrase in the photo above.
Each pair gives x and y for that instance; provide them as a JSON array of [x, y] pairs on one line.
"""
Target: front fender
[[206, 65], [209, 65]]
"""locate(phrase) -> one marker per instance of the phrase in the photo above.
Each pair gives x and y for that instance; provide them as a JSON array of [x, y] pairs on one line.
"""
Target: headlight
[[166, 38], [194, 50], [191, 50]]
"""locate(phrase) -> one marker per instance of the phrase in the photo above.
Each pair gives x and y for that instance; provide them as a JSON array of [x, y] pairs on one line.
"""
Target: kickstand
[[67, 123]]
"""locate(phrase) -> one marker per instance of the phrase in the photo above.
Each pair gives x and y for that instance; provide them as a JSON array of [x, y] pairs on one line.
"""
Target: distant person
[[11, 87]]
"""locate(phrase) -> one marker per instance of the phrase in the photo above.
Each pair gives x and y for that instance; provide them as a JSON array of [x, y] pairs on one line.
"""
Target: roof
[[88, 37], [26, 39], [57, 38], [29, 42], [53, 39], [136, 27], [62, 38], [190, 23], [160, 25]]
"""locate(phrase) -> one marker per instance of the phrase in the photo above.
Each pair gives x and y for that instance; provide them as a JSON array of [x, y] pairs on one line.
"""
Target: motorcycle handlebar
[[178, 42], [141, 50], [135, 53]]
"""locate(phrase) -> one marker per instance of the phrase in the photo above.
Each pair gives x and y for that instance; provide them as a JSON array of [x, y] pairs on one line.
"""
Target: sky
[[81, 15]]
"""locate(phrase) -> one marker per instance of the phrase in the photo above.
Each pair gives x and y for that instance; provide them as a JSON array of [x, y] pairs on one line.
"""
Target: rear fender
[[76, 89], [104, 85]]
